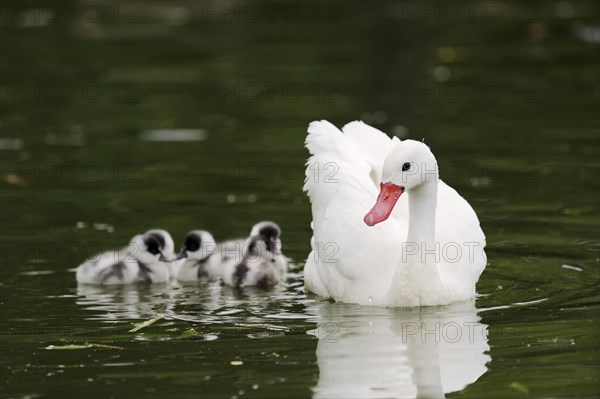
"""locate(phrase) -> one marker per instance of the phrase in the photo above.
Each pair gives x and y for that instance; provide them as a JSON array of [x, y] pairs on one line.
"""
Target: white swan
[[429, 252]]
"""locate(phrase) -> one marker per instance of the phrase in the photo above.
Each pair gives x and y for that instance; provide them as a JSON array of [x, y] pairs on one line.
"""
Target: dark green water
[[505, 93]]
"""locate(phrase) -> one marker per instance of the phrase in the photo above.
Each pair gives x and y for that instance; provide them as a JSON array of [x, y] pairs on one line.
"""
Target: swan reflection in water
[[367, 352]]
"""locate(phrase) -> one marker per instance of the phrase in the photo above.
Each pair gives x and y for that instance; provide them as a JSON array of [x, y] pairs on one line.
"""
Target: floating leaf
[[189, 333], [519, 388], [144, 324], [81, 346], [264, 325]]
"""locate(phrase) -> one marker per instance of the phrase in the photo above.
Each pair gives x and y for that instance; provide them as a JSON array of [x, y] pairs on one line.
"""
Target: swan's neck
[[422, 204], [417, 272]]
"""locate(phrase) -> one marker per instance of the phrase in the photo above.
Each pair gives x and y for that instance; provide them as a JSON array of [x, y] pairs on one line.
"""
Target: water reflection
[[203, 303], [402, 353], [111, 303]]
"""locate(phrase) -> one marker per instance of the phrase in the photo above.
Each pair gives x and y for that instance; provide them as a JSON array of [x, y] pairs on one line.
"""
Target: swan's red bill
[[388, 195]]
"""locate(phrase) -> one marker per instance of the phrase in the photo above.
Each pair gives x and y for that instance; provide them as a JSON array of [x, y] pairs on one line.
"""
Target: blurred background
[[120, 116]]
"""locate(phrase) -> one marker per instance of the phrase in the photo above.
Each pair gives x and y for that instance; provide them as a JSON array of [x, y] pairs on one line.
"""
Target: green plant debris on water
[[519, 388], [81, 346], [144, 324], [264, 325], [189, 333]]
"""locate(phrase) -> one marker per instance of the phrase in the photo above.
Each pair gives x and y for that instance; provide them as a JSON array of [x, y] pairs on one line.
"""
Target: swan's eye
[[405, 166]]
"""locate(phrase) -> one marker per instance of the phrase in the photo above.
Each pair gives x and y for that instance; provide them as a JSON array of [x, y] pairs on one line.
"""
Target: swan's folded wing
[[324, 137], [333, 155], [362, 146], [341, 190], [336, 164], [373, 143], [458, 229]]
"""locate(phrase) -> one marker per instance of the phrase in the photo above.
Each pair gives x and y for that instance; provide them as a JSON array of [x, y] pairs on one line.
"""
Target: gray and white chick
[[144, 260], [259, 262], [197, 259]]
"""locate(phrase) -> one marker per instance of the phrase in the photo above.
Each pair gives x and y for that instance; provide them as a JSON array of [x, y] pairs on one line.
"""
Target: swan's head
[[198, 244], [408, 166], [270, 233], [152, 247]]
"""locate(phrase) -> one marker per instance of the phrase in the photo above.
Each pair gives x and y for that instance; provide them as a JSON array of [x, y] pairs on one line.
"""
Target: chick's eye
[[405, 166]]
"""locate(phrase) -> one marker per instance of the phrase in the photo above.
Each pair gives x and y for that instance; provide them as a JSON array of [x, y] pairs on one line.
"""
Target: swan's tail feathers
[[323, 136], [330, 152], [353, 157], [367, 137], [373, 143]]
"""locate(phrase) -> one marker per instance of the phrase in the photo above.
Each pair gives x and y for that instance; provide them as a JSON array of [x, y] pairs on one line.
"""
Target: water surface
[[182, 117]]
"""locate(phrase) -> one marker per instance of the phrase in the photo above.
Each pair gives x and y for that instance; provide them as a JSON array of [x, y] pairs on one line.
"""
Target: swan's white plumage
[[352, 262]]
